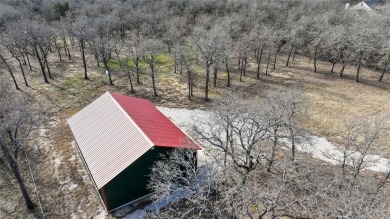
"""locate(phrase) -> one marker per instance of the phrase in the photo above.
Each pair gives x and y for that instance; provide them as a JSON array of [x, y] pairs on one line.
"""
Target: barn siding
[[131, 183]]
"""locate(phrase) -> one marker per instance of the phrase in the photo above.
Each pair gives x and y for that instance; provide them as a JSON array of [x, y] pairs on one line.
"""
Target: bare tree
[[16, 52], [332, 49], [238, 131], [182, 54], [15, 130], [260, 180], [133, 46], [291, 102], [104, 44], [38, 37], [208, 43], [174, 32], [151, 48], [4, 61], [365, 42], [178, 178], [385, 60], [259, 37], [82, 32]]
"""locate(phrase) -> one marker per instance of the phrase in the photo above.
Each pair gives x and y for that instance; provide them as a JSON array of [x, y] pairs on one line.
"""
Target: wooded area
[[212, 43], [210, 33]]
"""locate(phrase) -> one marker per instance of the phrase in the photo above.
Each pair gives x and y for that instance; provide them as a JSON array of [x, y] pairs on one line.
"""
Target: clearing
[[63, 186]]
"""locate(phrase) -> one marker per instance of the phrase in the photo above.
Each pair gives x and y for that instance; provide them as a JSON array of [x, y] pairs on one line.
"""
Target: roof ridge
[[130, 119]]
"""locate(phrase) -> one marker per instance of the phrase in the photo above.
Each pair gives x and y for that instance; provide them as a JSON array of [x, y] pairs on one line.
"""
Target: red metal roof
[[108, 139], [155, 125], [115, 130]]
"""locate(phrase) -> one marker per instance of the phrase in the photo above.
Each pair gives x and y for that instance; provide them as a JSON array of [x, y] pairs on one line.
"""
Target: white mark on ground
[[73, 158], [319, 147], [101, 215]]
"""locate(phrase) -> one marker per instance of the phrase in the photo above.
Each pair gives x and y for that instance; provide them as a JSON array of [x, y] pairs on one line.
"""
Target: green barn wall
[[131, 183]]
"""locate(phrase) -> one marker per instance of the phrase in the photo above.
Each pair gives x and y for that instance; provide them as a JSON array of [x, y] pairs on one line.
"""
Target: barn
[[119, 138]]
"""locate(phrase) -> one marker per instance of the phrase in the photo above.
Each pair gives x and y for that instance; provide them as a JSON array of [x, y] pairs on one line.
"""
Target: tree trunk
[[276, 54], [24, 59], [295, 52], [20, 65], [192, 85], [343, 67], [315, 59], [49, 49], [228, 72], [359, 65], [269, 57], [241, 69], [333, 64], [41, 64], [189, 83], [258, 59], [15, 169], [293, 149], [289, 54], [82, 49], [58, 49], [153, 79], [71, 41], [215, 75], [273, 152], [66, 52], [66, 49], [10, 71], [47, 64], [384, 68], [21, 68], [206, 88], [245, 61], [137, 69], [239, 62], [130, 82], [105, 62], [28, 61]]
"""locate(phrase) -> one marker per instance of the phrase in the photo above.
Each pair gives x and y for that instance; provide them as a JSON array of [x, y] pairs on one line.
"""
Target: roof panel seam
[[131, 120]]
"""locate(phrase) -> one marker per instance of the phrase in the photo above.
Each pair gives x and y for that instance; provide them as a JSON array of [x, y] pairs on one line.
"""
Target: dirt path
[[318, 147]]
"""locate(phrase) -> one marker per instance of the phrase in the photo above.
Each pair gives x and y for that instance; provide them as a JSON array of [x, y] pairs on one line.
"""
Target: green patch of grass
[[164, 59], [113, 64], [74, 82], [131, 64], [141, 64]]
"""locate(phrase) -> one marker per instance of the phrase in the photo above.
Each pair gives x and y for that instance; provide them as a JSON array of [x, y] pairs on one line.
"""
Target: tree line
[[219, 35]]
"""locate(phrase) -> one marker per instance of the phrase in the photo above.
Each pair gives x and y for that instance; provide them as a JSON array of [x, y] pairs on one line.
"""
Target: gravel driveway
[[319, 147]]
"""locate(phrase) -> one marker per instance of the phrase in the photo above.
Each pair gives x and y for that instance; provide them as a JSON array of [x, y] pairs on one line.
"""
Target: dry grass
[[331, 99]]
